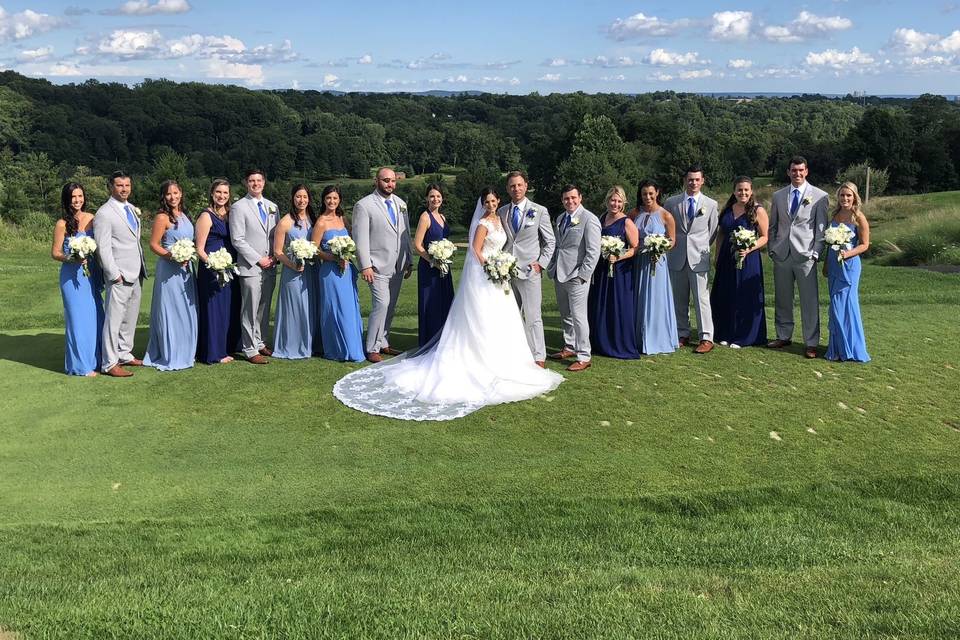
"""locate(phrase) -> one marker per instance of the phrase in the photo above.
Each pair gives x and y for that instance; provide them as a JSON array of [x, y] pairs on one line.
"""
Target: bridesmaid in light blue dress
[[847, 340], [82, 294], [173, 312], [656, 319], [293, 334], [341, 326]]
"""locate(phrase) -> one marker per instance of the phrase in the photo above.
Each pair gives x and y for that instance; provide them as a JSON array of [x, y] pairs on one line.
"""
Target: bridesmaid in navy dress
[[656, 318], [173, 310], [293, 334], [612, 302], [218, 309], [847, 340], [82, 294], [434, 290], [736, 300]]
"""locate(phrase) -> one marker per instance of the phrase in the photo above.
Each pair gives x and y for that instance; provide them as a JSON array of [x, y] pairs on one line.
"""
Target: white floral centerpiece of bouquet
[[611, 246], [81, 247], [441, 254], [343, 247], [655, 245], [302, 252], [743, 239], [500, 268], [183, 251], [221, 262], [839, 238]]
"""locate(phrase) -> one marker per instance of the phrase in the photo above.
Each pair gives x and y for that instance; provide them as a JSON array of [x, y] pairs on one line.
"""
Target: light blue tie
[[263, 214], [516, 218], [131, 218], [393, 216], [691, 212], [796, 203]]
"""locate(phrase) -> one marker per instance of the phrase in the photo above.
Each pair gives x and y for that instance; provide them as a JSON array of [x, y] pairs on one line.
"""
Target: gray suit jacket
[[534, 242], [578, 248], [118, 246], [801, 238], [250, 236], [693, 238], [381, 244]]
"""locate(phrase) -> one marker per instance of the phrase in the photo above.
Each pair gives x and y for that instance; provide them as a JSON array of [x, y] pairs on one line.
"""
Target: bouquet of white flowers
[[743, 239], [838, 237], [302, 251], [343, 247], [655, 244], [221, 262], [611, 246], [441, 252], [500, 268], [81, 247], [183, 250]]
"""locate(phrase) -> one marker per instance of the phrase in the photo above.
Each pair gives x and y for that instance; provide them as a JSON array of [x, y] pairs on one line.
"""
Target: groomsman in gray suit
[[382, 234], [116, 229], [689, 260], [572, 265], [798, 219], [530, 238], [252, 221]]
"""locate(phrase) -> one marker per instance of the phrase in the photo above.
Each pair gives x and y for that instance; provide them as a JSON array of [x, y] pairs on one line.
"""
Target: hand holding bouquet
[[441, 252], [183, 251], [839, 238], [344, 248], [611, 246], [656, 245], [743, 239], [302, 252], [221, 262], [81, 247], [500, 268]]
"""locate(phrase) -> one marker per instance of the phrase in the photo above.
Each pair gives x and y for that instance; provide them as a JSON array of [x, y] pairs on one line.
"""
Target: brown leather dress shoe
[[579, 365], [810, 352], [705, 346], [117, 372], [390, 351], [135, 362], [541, 364], [266, 351], [374, 357], [257, 359], [563, 354], [684, 341], [778, 344]]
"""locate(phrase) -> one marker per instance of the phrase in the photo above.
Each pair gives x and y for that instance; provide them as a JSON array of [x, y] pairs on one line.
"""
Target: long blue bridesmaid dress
[[341, 326], [847, 340], [434, 290], [173, 312], [218, 325], [656, 318], [736, 299], [612, 303], [82, 313], [293, 335]]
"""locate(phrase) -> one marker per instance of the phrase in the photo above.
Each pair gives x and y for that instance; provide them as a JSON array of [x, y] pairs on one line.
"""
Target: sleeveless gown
[[341, 327], [736, 299], [847, 340], [218, 308], [82, 313], [434, 290], [480, 357], [656, 318], [173, 312], [293, 333], [612, 303]]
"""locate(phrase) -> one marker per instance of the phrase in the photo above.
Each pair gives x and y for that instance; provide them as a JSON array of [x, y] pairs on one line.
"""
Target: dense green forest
[[158, 129]]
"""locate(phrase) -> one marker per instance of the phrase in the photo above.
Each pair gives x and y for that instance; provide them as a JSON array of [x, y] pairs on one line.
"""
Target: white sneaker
[[734, 345], [723, 342]]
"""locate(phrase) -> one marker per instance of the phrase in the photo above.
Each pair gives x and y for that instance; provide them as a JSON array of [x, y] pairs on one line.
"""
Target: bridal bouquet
[[838, 237], [656, 244], [81, 247], [183, 250], [611, 246], [221, 262], [343, 247], [302, 251], [441, 252], [500, 267], [743, 239]]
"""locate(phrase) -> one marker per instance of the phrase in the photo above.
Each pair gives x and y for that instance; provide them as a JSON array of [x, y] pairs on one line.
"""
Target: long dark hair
[[218, 182], [327, 190], [433, 186], [750, 208], [649, 183], [66, 194], [293, 209], [486, 191], [165, 208]]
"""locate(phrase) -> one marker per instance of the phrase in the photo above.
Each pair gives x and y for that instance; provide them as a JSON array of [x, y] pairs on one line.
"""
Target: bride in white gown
[[480, 358]]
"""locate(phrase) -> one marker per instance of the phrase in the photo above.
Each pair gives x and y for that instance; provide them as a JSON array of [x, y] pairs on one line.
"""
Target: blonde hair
[[857, 202], [617, 190]]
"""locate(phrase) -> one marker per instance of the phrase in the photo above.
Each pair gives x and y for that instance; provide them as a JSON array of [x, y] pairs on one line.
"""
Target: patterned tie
[[691, 212], [796, 203], [131, 218], [263, 214], [393, 216], [516, 218]]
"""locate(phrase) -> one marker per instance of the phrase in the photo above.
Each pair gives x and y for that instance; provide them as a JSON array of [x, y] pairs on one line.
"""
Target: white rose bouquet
[[611, 246], [81, 247], [343, 247], [221, 262], [302, 252], [183, 251], [656, 245], [500, 268], [441, 252], [743, 239], [839, 237]]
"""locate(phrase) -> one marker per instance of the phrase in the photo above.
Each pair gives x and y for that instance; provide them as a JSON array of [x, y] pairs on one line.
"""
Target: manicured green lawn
[[743, 494]]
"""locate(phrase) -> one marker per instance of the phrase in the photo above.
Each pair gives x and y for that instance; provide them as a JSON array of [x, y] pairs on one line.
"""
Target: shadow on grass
[[45, 350]]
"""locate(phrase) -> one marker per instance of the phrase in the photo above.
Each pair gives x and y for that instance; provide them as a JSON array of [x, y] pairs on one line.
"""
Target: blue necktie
[[131, 218], [691, 212], [516, 218], [393, 216], [796, 203], [263, 214], [564, 223]]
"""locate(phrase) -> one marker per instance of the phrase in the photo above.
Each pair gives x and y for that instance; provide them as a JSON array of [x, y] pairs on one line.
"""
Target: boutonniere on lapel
[[136, 210], [273, 210], [701, 211], [529, 215], [403, 210], [574, 221], [805, 201]]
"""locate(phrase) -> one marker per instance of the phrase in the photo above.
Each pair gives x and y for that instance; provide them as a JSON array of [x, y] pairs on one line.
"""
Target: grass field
[[744, 494]]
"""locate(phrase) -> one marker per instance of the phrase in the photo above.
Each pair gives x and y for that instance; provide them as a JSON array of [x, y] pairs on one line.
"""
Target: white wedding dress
[[480, 358]]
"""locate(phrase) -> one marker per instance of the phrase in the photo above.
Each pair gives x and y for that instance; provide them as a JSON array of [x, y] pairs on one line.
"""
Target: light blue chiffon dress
[[173, 312], [293, 334], [656, 318], [341, 326], [847, 340], [82, 313]]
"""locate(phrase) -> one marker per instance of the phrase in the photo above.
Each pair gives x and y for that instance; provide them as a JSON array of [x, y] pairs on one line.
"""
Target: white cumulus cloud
[[739, 63], [17, 26], [330, 81], [840, 60], [731, 25], [806, 25], [145, 8], [695, 74], [549, 77], [252, 74], [131, 44], [643, 26], [913, 41], [664, 58], [365, 59], [35, 55]]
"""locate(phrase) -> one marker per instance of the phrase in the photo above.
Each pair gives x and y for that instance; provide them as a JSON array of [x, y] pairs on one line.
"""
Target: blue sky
[[828, 46]]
